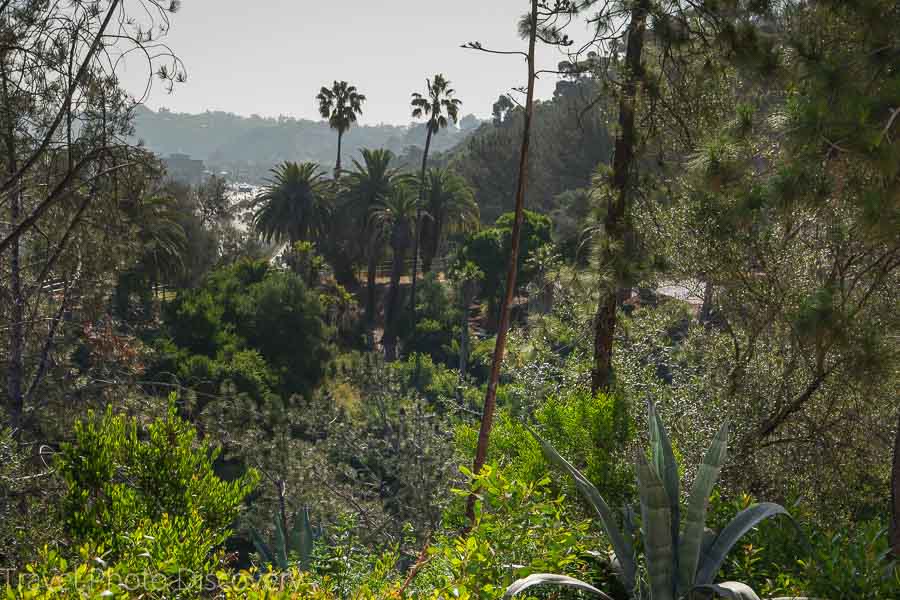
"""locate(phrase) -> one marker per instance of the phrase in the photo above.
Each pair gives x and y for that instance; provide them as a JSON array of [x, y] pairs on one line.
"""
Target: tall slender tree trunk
[[466, 293], [490, 398], [15, 370], [706, 307], [615, 226], [389, 341], [337, 164], [371, 284], [417, 232], [432, 235], [895, 496]]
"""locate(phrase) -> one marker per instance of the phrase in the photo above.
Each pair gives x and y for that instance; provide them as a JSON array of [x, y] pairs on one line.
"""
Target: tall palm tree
[[294, 205], [439, 106], [162, 239], [450, 202], [369, 184], [340, 105], [394, 216]]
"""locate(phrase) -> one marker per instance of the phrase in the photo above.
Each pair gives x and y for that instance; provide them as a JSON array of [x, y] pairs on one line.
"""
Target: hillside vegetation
[[636, 340]]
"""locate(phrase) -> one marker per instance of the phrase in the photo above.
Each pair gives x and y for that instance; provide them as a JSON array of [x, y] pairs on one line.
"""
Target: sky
[[270, 57]]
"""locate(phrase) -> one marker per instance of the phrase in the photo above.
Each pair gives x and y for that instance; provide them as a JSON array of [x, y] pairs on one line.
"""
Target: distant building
[[183, 168]]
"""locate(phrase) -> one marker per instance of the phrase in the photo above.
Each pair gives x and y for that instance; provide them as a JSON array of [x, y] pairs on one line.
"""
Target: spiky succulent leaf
[[281, 550], [656, 513], [545, 578], [734, 590], [262, 548], [666, 469], [623, 546], [695, 524], [302, 538], [711, 560]]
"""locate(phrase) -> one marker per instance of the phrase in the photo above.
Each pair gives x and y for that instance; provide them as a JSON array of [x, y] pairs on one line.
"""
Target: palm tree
[[294, 205], [450, 202], [394, 216], [370, 183], [340, 105], [162, 239], [440, 107]]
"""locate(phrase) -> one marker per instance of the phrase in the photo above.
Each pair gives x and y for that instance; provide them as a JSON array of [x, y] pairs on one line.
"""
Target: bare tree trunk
[[464, 345], [371, 284], [706, 307], [615, 226], [416, 234], [490, 398], [392, 310], [895, 496], [337, 164], [466, 293], [15, 369], [431, 237]]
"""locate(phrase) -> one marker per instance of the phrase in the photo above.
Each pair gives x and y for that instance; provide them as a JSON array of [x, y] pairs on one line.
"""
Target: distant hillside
[[253, 144]]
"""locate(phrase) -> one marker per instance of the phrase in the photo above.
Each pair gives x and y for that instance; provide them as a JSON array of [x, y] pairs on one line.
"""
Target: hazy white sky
[[270, 57]]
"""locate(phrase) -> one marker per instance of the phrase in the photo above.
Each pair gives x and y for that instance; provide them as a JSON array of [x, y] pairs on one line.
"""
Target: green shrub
[[521, 527], [592, 431], [123, 478], [489, 248], [243, 327], [842, 561]]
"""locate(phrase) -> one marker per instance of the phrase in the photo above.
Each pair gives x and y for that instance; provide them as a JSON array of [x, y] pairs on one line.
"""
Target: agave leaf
[[265, 552], [666, 469], [622, 546], [733, 590], [695, 524], [303, 537], [746, 520], [656, 513], [281, 551], [545, 578]]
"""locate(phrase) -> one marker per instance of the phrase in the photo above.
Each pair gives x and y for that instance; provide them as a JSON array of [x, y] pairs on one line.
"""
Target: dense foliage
[[209, 392]]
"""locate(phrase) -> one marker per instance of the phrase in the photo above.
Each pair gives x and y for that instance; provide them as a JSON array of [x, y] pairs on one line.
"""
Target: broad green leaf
[[622, 546], [666, 469], [695, 524], [656, 514], [747, 519], [733, 590], [547, 579]]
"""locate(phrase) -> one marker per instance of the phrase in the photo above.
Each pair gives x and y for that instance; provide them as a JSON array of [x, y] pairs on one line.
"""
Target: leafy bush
[[592, 431], [842, 561], [243, 327], [27, 520], [489, 248], [521, 527], [122, 478]]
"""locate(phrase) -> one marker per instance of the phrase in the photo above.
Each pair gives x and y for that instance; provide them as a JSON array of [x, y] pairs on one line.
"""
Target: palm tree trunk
[[431, 233], [490, 398], [392, 312], [337, 164], [895, 496], [416, 234], [371, 287], [466, 294], [615, 227]]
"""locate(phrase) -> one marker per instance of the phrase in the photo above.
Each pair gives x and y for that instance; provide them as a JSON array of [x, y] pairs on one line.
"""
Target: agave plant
[[679, 562], [289, 548]]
